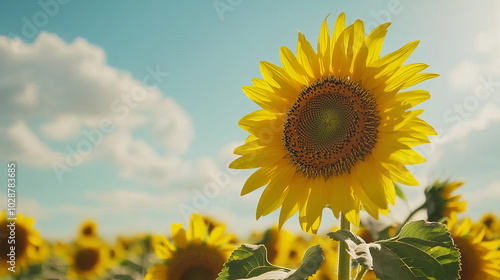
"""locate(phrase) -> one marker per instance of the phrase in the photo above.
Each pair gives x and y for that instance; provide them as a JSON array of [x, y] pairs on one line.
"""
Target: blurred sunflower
[[26, 243], [196, 254], [440, 202], [290, 249], [480, 260], [213, 223], [116, 254], [335, 127], [328, 269], [132, 245], [42, 251], [492, 224], [89, 259], [88, 228]]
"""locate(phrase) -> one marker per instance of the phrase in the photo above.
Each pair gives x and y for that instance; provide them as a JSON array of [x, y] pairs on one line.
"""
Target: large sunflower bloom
[[27, 241], [196, 254], [335, 127], [479, 259]]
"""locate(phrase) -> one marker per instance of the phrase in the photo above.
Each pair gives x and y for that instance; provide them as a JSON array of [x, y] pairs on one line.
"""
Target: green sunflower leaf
[[422, 250], [250, 262]]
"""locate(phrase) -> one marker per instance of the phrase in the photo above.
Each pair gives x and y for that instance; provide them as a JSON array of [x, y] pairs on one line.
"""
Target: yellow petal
[[197, 231], [263, 124], [307, 57], [399, 173], [374, 42], [338, 29], [157, 271], [407, 156], [324, 48], [353, 217], [293, 67], [277, 77], [162, 247], [290, 204], [315, 205], [265, 99], [179, 235], [356, 41], [261, 157], [418, 79], [339, 58], [261, 84], [403, 75], [259, 178], [341, 196], [275, 192], [371, 181], [413, 97], [216, 235], [379, 71]]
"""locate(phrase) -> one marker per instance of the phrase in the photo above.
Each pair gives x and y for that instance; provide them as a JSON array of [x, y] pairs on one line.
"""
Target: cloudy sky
[[127, 113]]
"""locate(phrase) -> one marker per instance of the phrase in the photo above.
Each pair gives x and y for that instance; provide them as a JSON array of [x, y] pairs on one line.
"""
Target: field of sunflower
[[200, 249], [336, 130]]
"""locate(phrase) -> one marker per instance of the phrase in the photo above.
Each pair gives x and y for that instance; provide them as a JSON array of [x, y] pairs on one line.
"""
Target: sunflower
[[213, 223], [27, 240], [195, 255], [492, 224], [284, 248], [88, 228], [440, 202], [328, 269], [479, 259], [89, 259], [42, 251], [116, 254], [335, 127]]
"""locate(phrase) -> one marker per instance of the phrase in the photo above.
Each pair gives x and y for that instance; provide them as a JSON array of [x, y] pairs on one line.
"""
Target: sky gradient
[[127, 113]]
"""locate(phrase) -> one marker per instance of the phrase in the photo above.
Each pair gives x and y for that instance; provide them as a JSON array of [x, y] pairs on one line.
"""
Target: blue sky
[[69, 68]]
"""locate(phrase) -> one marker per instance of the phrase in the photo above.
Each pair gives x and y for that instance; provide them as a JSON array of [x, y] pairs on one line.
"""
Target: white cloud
[[465, 76], [491, 193], [61, 128], [56, 91], [22, 145], [487, 115]]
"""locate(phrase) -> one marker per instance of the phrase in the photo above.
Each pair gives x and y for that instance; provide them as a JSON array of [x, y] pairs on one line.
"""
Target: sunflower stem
[[423, 206], [362, 271], [344, 258]]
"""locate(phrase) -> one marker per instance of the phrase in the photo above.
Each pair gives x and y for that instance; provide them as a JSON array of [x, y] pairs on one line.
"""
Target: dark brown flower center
[[331, 126], [198, 273], [86, 259], [196, 262], [88, 231]]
